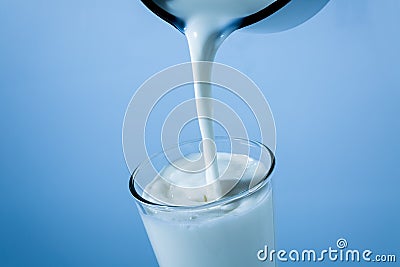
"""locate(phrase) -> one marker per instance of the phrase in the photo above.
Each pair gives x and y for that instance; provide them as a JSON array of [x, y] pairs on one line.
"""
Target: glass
[[227, 232]]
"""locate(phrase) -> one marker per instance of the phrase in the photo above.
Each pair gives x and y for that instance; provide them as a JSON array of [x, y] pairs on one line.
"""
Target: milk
[[217, 235], [207, 24], [220, 234]]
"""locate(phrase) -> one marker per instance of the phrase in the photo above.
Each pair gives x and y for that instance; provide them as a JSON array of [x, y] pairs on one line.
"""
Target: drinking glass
[[226, 232]]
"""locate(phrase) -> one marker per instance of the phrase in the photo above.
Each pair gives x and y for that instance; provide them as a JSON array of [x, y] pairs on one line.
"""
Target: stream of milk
[[207, 24]]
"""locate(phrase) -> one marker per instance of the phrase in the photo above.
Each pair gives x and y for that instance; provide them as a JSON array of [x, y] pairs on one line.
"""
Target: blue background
[[69, 68]]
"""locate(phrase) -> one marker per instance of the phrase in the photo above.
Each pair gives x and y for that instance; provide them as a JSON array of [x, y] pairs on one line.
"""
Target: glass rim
[[244, 22], [223, 200]]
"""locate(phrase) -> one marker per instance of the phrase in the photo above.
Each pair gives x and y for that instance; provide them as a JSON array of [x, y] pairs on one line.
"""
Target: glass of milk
[[187, 224]]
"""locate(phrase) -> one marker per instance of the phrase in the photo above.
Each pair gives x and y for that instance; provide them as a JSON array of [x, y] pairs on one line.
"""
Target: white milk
[[207, 24], [222, 235]]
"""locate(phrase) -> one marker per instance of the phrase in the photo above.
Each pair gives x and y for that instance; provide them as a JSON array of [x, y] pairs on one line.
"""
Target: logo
[[340, 253]]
